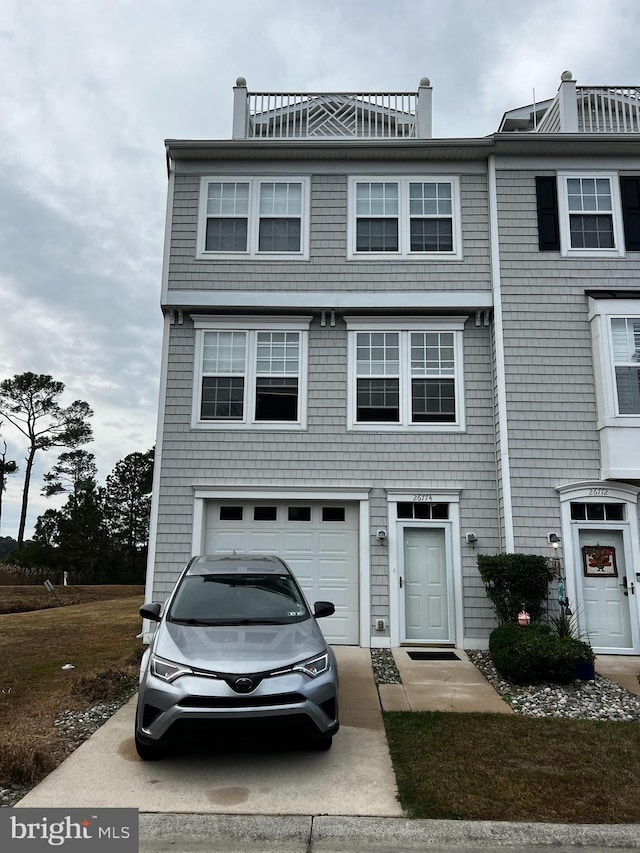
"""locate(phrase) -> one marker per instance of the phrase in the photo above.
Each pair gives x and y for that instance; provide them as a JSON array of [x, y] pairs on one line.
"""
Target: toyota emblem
[[243, 685]]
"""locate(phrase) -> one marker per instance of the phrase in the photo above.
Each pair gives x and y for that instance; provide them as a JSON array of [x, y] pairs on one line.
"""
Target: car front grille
[[241, 701]]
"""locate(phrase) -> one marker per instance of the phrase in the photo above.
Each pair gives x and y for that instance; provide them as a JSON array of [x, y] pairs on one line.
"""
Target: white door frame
[[203, 493], [451, 526], [602, 492]]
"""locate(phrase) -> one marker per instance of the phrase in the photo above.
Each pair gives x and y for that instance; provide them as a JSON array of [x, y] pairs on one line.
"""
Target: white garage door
[[319, 540]]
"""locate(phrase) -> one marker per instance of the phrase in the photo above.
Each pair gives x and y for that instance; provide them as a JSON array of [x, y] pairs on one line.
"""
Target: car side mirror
[[323, 608], [151, 611]]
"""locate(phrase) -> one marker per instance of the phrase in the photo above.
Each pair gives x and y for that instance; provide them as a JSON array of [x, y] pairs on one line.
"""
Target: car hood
[[239, 649]]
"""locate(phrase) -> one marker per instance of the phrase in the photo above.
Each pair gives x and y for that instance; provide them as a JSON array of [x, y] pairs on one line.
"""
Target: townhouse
[[385, 353]]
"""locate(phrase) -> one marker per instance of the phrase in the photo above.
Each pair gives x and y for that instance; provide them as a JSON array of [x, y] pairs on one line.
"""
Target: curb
[[329, 834]]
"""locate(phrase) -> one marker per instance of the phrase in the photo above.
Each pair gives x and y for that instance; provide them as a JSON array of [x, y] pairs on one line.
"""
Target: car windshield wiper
[[256, 620], [193, 621]]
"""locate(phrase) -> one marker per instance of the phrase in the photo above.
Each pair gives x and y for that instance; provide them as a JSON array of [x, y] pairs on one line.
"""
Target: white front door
[[605, 589], [424, 579]]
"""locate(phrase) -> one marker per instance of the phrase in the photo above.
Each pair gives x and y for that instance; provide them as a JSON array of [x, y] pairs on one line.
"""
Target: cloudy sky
[[89, 90]]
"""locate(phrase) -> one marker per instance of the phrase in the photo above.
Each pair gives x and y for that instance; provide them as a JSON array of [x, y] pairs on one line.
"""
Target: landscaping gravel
[[581, 700], [384, 667], [73, 727]]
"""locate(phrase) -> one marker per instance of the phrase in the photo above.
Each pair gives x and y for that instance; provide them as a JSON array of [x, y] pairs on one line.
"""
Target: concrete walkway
[[440, 685], [625, 669]]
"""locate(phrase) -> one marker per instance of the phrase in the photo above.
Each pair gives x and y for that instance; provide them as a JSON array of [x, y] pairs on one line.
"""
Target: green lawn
[[495, 767]]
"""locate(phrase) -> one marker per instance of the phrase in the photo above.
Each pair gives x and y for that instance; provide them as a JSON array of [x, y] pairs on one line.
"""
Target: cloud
[[90, 90]]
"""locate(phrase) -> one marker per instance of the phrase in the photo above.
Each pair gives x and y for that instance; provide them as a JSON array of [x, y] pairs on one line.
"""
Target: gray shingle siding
[[328, 454], [327, 267], [548, 354], [547, 351]]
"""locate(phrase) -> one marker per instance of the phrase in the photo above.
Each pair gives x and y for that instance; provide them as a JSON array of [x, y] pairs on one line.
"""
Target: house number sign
[[600, 493], [422, 498]]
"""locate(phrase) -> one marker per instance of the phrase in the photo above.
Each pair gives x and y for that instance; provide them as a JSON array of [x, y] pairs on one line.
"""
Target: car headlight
[[167, 670], [314, 667]]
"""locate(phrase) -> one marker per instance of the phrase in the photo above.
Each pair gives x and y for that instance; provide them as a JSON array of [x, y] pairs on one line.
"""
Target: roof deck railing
[[338, 115], [592, 109]]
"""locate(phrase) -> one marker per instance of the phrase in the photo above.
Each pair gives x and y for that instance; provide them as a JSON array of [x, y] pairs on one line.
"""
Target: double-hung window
[[404, 217], [252, 372], [405, 373], [625, 340], [254, 217], [590, 216]]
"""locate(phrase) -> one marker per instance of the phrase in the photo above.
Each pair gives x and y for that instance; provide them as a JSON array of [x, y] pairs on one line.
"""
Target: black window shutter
[[548, 226], [630, 193]]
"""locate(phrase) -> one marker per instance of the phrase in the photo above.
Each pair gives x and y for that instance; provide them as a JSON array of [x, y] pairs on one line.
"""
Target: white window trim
[[205, 323], [563, 215], [406, 325], [601, 312], [404, 252], [253, 219]]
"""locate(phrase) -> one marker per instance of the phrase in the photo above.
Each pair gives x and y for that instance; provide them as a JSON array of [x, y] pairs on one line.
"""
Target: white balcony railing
[[592, 109], [608, 109], [361, 115], [550, 122]]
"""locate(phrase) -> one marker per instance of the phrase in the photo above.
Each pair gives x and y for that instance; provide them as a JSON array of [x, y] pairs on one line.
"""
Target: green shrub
[[514, 581], [531, 654]]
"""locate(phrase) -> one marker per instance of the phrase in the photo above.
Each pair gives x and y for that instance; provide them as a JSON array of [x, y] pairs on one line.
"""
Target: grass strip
[[494, 767]]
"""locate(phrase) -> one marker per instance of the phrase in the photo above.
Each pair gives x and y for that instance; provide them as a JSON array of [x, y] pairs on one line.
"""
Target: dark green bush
[[530, 654], [516, 580]]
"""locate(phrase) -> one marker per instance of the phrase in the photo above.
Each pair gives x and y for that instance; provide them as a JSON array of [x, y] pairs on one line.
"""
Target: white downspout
[[504, 471]]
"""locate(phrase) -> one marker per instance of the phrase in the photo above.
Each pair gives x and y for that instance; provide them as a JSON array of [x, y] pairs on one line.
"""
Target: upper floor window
[[584, 218], [405, 374], [590, 211], [251, 373], [590, 216], [254, 217], [406, 217], [625, 338]]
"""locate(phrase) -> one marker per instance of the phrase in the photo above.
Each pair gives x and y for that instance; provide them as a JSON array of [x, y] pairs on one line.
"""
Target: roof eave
[[505, 144]]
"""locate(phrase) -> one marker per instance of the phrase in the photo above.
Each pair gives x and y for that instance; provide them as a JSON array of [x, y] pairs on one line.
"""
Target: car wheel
[[320, 744]]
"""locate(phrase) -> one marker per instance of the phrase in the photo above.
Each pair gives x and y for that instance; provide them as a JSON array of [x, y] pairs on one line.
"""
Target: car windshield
[[238, 600]]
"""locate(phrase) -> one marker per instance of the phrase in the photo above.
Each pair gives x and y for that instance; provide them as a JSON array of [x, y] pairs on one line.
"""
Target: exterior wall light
[[471, 538], [554, 540]]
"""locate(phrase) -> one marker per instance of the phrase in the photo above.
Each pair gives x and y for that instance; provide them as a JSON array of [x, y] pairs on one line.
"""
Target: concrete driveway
[[354, 777]]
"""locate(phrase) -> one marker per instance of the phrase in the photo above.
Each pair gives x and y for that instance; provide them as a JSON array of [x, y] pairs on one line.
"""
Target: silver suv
[[236, 651]]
